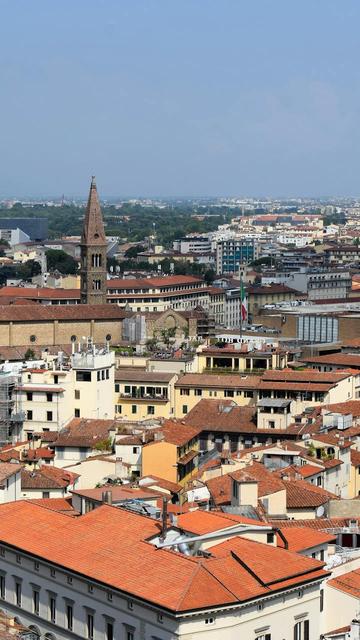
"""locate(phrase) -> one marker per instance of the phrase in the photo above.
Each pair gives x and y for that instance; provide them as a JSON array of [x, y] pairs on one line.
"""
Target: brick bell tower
[[93, 252]]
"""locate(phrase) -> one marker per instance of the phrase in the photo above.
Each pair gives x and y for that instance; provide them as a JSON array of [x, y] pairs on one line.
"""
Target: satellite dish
[[320, 511]]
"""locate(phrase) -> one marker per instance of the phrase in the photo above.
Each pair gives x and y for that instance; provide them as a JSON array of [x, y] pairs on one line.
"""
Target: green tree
[[28, 270], [29, 354], [133, 252], [59, 260]]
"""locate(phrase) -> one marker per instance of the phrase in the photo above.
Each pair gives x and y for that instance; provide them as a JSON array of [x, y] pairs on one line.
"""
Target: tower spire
[[93, 229], [93, 247]]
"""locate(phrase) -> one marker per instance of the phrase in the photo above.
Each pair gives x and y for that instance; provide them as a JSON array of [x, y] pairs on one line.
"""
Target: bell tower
[[93, 252]]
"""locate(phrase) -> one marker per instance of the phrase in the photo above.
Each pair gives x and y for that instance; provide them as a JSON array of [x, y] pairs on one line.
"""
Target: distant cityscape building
[[35, 228], [232, 253]]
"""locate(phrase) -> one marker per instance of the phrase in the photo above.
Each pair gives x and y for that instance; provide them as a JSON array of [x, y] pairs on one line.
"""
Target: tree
[[133, 252], [28, 270], [59, 260], [29, 354]]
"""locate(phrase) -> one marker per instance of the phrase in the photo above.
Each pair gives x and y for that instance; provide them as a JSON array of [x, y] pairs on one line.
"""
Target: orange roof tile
[[301, 538]]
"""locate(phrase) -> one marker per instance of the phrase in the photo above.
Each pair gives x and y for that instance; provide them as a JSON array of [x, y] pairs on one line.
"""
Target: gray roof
[[273, 402]]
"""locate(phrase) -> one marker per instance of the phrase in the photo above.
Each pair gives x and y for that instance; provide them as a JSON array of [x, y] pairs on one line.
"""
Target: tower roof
[[93, 230]]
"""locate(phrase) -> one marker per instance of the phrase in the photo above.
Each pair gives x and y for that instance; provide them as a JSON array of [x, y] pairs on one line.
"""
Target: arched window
[[49, 636], [96, 285]]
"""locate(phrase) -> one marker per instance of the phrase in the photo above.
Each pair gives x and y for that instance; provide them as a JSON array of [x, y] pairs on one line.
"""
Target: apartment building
[[234, 252], [190, 388], [81, 386], [143, 394], [240, 359], [60, 576]]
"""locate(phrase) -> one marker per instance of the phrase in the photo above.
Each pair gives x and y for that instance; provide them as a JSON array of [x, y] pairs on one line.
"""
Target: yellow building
[[173, 455], [143, 394], [236, 358], [192, 387]]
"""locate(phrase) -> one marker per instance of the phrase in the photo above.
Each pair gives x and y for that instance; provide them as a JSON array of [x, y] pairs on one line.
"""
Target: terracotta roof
[[61, 505], [37, 454], [10, 454], [220, 489], [41, 313], [341, 359], [44, 293], [301, 495], [217, 382], [308, 470], [151, 481], [267, 481], [306, 375], [336, 438], [8, 469], [222, 415], [178, 433], [271, 289], [350, 406], [348, 583], [152, 283], [83, 432], [301, 538], [320, 524], [40, 388], [355, 457], [135, 375], [47, 477], [108, 538], [187, 457]]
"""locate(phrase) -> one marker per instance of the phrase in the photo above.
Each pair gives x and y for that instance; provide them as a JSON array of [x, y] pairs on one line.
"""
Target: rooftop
[[109, 537]]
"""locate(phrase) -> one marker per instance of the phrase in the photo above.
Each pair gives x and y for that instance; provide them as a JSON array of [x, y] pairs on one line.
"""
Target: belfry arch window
[[96, 259], [96, 285]]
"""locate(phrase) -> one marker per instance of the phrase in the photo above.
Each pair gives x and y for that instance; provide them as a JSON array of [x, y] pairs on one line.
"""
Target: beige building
[[234, 358], [192, 387], [140, 394]]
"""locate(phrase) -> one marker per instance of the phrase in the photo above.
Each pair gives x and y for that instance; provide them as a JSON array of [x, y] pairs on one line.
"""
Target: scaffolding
[[10, 419]]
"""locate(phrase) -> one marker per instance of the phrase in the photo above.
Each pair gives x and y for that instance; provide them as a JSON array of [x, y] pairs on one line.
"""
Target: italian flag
[[243, 303]]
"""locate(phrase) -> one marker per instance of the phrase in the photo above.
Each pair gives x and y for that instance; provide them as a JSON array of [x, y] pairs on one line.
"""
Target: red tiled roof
[[151, 481], [178, 433], [47, 477], [83, 432], [119, 493], [301, 495], [217, 382], [108, 538], [222, 415], [306, 375], [348, 583], [267, 482], [152, 283], [41, 313], [37, 454], [44, 293], [8, 469], [340, 359], [61, 505], [355, 457], [301, 538]]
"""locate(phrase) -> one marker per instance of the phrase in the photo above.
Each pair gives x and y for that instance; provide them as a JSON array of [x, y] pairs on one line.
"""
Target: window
[[18, 559], [151, 410], [69, 616], [18, 593], [52, 609], [29, 415], [49, 397], [110, 596], [90, 588], [264, 636], [83, 376], [53, 573], [130, 605], [135, 449], [2, 587], [160, 618], [127, 388], [271, 424], [36, 601], [77, 394], [98, 375], [118, 408], [69, 580], [321, 600], [49, 416], [56, 379], [36, 566], [269, 538], [318, 481], [77, 413], [133, 408], [117, 387], [301, 630], [29, 396], [107, 374], [322, 555], [209, 620], [184, 392], [184, 408], [109, 631], [130, 634], [198, 392], [90, 626]]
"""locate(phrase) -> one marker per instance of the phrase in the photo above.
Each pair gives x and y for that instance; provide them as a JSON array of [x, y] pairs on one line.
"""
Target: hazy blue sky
[[180, 97]]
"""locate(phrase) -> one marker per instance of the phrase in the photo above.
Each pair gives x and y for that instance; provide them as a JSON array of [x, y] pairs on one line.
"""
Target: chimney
[[164, 520], [107, 497], [355, 630], [120, 471]]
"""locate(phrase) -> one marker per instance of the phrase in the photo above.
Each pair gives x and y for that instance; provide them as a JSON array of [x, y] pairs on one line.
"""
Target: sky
[[180, 97]]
